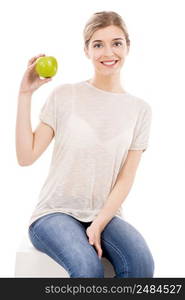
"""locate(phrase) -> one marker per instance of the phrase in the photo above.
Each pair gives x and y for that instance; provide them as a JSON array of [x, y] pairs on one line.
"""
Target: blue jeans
[[64, 239]]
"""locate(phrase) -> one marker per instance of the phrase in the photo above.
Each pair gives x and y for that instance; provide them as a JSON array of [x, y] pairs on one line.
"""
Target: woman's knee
[[128, 250], [138, 263], [141, 261], [142, 258], [92, 268], [149, 265]]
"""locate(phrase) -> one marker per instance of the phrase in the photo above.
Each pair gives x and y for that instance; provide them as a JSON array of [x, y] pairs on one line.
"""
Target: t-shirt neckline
[[103, 91]]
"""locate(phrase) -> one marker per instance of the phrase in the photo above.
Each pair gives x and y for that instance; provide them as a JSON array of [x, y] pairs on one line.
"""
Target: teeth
[[109, 63]]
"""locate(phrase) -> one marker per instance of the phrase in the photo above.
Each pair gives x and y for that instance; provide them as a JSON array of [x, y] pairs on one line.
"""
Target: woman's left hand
[[94, 233]]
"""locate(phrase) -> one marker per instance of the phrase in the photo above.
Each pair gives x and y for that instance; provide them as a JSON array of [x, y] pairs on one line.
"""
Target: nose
[[108, 51]]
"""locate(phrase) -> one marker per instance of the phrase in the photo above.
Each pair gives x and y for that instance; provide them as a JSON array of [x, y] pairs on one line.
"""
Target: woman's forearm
[[114, 201], [121, 188], [24, 135]]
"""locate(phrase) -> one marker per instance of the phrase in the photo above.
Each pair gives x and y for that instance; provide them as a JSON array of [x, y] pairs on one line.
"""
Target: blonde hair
[[103, 19]]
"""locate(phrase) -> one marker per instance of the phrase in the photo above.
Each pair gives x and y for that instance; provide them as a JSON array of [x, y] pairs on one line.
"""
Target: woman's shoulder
[[62, 87], [66, 87], [140, 102]]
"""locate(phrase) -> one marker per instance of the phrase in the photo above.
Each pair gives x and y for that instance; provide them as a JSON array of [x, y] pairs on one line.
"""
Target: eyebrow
[[113, 40]]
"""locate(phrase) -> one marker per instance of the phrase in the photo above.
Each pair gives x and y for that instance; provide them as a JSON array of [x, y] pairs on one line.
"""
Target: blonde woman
[[100, 133]]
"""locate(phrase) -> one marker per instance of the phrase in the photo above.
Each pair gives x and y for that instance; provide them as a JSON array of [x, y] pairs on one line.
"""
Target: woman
[[100, 132]]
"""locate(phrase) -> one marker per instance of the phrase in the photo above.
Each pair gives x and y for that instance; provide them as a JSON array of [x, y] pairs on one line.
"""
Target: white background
[[154, 71]]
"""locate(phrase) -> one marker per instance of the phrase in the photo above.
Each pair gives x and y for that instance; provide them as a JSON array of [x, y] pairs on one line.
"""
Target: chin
[[109, 72]]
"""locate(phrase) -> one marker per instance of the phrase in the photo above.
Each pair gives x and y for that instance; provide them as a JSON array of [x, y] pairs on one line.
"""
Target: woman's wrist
[[97, 224]]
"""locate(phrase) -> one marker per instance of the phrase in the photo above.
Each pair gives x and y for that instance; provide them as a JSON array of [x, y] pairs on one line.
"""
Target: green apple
[[46, 66]]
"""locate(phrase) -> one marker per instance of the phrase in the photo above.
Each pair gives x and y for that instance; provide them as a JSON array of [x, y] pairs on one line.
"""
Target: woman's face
[[107, 44]]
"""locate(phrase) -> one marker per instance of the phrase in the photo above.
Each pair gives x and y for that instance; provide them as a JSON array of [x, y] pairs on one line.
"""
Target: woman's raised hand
[[31, 80]]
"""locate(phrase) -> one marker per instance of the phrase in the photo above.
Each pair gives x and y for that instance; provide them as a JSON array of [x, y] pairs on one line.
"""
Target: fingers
[[99, 250], [45, 80], [94, 240], [98, 247], [31, 66], [34, 58]]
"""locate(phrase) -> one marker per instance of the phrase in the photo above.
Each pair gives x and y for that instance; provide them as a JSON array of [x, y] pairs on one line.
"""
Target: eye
[[116, 43], [97, 45]]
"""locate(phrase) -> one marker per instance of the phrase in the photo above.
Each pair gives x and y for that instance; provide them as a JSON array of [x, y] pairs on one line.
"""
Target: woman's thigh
[[64, 239], [126, 249]]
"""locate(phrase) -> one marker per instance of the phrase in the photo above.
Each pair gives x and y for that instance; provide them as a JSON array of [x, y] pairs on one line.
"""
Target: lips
[[109, 62]]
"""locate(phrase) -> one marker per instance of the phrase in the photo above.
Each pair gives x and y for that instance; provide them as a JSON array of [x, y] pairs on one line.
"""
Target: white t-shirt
[[94, 129]]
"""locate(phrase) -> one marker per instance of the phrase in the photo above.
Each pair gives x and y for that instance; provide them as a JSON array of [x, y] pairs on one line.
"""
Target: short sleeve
[[48, 111], [142, 129]]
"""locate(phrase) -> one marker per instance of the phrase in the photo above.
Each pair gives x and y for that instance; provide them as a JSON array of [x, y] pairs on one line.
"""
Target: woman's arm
[[120, 190], [24, 135], [29, 145]]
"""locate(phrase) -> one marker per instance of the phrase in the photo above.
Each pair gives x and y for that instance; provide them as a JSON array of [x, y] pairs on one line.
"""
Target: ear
[[86, 52]]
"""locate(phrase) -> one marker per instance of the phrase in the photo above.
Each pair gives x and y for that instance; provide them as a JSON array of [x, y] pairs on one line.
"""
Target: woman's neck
[[107, 84]]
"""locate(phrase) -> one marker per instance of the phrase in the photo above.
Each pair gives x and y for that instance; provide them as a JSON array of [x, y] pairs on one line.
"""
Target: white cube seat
[[31, 262]]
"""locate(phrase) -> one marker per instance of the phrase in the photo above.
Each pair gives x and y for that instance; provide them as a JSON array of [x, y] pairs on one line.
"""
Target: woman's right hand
[[31, 80]]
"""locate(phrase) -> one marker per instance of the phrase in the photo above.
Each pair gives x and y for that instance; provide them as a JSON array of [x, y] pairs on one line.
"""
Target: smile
[[109, 63]]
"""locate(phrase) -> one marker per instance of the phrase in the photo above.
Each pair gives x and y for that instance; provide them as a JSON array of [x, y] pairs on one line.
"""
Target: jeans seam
[[30, 230], [119, 253]]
